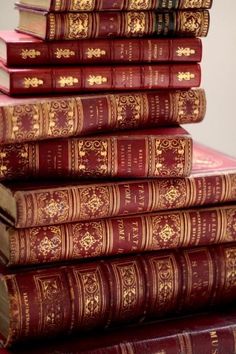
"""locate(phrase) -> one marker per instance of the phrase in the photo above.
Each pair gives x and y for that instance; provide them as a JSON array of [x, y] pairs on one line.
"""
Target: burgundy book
[[164, 152], [74, 298], [74, 26], [213, 181], [41, 80], [113, 236], [212, 332], [30, 119], [111, 5], [22, 50]]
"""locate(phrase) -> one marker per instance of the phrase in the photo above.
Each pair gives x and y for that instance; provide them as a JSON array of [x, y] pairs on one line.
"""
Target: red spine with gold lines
[[106, 237], [127, 289]]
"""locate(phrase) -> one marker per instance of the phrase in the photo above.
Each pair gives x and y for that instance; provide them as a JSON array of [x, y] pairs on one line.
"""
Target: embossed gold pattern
[[186, 52], [95, 201], [68, 81], [230, 276], [78, 26], [166, 230], [82, 5], [64, 53], [185, 76], [95, 53], [54, 207], [30, 53], [96, 80], [30, 82], [189, 105], [95, 151], [195, 23], [138, 5], [132, 106], [136, 23]]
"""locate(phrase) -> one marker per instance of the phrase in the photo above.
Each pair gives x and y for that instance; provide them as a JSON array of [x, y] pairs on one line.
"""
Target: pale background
[[219, 74]]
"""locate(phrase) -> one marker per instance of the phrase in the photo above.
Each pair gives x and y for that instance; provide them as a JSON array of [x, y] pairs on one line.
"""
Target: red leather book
[[164, 152], [111, 5], [30, 119], [81, 79], [22, 50], [123, 235], [74, 298], [213, 181], [200, 333], [73, 26]]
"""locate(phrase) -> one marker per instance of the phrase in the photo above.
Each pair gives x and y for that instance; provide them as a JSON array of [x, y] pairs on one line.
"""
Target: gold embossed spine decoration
[[195, 4], [193, 23], [30, 53], [30, 82]]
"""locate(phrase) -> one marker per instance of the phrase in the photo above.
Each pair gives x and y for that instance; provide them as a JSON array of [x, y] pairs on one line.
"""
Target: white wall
[[219, 74]]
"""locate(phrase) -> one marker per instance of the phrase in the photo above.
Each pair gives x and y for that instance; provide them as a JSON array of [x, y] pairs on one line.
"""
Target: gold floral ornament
[[68, 81], [30, 53], [96, 80], [78, 25], [194, 4], [138, 4], [185, 76], [32, 82], [136, 23], [186, 52], [95, 53], [64, 53], [82, 5]]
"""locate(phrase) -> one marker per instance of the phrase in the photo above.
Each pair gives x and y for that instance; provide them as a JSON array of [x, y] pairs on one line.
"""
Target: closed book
[[75, 25], [213, 181], [199, 333], [111, 5], [44, 80], [116, 236], [21, 50], [164, 152], [102, 293], [33, 119]]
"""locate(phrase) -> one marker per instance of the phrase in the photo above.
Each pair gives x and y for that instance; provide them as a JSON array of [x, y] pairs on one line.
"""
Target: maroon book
[[33, 119], [116, 236], [164, 152], [22, 50], [213, 181], [111, 5], [29, 81], [75, 25], [75, 298], [200, 333]]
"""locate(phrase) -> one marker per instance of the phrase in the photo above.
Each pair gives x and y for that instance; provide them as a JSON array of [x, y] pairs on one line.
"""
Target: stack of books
[[111, 176]]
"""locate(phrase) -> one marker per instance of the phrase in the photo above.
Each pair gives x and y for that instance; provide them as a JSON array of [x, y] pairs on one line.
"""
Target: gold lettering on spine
[[77, 25], [30, 82], [214, 342], [64, 53], [30, 53], [52, 26], [136, 23]]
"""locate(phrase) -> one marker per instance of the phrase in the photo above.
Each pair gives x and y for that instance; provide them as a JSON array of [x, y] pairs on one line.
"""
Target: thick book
[[111, 5], [73, 26], [208, 332], [103, 293], [22, 50], [30, 119], [44, 80], [116, 236], [164, 152], [213, 181]]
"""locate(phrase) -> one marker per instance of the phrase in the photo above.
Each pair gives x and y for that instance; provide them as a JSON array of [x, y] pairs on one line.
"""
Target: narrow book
[[164, 152], [73, 298], [21, 50], [30, 119], [39, 80], [111, 5], [73, 26], [213, 181], [208, 332], [116, 236]]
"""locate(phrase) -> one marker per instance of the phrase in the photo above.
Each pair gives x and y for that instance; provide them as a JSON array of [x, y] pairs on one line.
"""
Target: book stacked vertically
[[110, 175]]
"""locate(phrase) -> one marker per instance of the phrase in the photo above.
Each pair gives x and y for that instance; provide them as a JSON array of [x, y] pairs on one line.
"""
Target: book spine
[[99, 157], [96, 201], [64, 26], [108, 237], [39, 119], [130, 5], [219, 340], [128, 289], [103, 78], [120, 51]]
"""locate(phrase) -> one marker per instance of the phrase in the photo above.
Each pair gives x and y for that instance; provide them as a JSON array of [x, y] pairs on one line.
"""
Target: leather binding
[[22, 50], [74, 26], [31, 119], [213, 181], [164, 152], [119, 5], [107, 237], [199, 333], [121, 290], [98, 78]]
